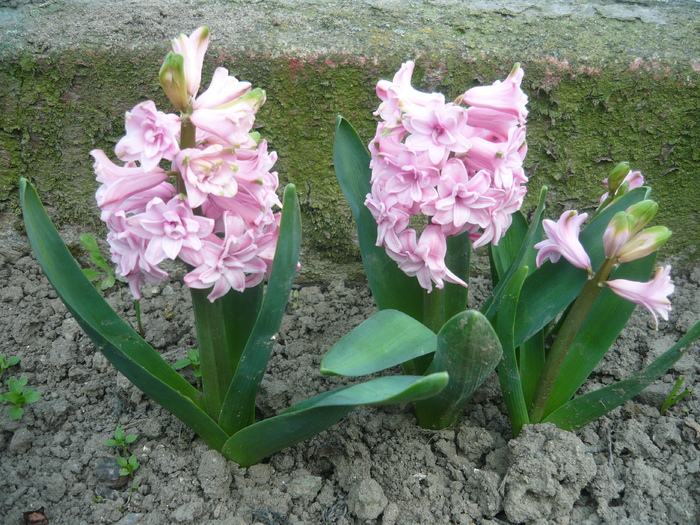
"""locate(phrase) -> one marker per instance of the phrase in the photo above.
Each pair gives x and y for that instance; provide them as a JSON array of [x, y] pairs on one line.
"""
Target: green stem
[[215, 363], [188, 139], [433, 318], [137, 310], [560, 348]]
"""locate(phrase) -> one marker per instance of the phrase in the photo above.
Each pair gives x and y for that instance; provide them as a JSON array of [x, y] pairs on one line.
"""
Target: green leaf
[[505, 261], [16, 385], [580, 411], [469, 350], [508, 369], [89, 242], [606, 319], [10, 397], [508, 248], [31, 396], [239, 405], [552, 287], [458, 259], [391, 288], [123, 347], [16, 412], [182, 363], [91, 274], [386, 339], [308, 418]]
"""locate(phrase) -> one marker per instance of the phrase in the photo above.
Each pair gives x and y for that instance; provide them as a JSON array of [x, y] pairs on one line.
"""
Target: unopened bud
[[617, 233], [642, 212], [172, 78], [645, 242], [617, 177], [255, 97]]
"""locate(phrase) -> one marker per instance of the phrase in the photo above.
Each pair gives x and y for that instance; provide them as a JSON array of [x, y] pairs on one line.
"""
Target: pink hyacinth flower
[[151, 135], [399, 96], [425, 259], [438, 129], [223, 89], [172, 230], [461, 199], [652, 295], [207, 171], [506, 96], [192, 49], [121, 182], [128, 253], [229, 263], [563, 241]]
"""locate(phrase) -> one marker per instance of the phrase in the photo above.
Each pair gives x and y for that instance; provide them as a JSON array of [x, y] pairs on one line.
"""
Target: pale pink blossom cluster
[[624, 240], [224, 225], [459, 166]]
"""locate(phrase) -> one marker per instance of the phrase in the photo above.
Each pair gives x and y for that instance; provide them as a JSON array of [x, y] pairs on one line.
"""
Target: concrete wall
[[608, 81]]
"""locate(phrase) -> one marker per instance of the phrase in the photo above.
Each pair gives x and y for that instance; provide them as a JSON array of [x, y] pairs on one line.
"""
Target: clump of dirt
[[376, 466]]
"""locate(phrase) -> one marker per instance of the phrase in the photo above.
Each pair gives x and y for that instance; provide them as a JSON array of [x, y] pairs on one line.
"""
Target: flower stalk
[[562, 343]]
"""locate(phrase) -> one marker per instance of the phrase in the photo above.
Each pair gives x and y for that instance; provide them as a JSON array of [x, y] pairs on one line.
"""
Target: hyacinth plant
[[198, 187], [441, 178]]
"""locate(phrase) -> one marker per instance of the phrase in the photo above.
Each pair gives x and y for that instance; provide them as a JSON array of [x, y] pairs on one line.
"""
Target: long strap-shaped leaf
[[508, 370], [123, 347], [605, 321], [314, 415], [238, 408], [386, 339], [391, 288], [469, 350], [517, 251], [580, 411]]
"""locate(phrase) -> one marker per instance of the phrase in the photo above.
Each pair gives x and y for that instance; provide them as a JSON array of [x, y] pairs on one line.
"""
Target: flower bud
[[617, 176], [645, 242], [172, 78], [617, 233], [255, 97], [642, 213]]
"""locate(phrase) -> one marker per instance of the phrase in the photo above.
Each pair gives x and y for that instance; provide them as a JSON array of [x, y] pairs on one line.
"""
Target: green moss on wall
[[582, 122]]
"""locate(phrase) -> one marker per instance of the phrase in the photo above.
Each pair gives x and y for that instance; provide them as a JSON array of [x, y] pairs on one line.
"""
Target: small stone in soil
[[366, 500], [107, 473]]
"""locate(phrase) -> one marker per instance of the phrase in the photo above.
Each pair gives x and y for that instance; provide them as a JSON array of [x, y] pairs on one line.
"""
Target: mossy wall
[[585, 116]]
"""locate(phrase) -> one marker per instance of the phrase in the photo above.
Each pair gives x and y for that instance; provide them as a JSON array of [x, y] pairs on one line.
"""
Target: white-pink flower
[[563, 241], [429, 158], [462, 201], [192, 49], [425, 259], [119, 183], [151, 135], [438, 129], [208, 171], [399, 97], [505, 97], [172, 230], [652, 295], [223, 89], [230, 263], [128, 250]]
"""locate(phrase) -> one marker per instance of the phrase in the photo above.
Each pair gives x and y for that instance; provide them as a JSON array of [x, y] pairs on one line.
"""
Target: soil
[[376, 466]]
